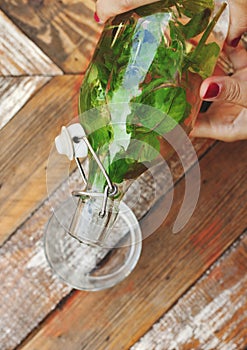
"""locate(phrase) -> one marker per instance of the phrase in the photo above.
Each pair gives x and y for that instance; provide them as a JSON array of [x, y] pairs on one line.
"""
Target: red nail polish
[[212, 91], [96, 18], [234, 42]]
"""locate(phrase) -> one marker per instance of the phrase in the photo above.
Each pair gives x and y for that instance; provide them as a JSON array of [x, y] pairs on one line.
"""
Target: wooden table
[[188, 290]]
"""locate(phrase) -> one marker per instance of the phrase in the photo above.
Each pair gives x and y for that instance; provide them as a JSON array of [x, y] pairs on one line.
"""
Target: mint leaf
[[171, 108], [196, 25], [96, 123], [125, 168], [203, 63], [133, 62], [172, 102], [143, 148], [101, 137], [191, 8], [176, 34], [165, 69], [167, 61], [159, 6], [144, 145]]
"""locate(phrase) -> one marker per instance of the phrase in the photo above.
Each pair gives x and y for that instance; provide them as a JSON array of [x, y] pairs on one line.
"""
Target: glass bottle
[[150, 58], [141, 85]]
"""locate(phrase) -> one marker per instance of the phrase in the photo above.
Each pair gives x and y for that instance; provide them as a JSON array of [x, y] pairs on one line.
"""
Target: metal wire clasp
[[69, 143]]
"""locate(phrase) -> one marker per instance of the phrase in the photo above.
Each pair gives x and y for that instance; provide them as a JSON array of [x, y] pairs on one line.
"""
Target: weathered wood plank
[[169, 265], [212, 315], [29, 290], [15, 92], [25, 145], [64, 30], [23, 255], [19, 55]]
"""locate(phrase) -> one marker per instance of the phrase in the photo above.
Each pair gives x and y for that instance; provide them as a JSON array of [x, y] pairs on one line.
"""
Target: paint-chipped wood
[[20, 55], [169, 265], [64, 30], [29, 289], [15, 92], [25, 145], [212, 315], [44, 36], [23, 255]]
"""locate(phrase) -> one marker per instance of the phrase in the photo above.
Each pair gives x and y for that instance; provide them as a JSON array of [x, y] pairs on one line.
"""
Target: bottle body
[[156, 55], [141, 87]]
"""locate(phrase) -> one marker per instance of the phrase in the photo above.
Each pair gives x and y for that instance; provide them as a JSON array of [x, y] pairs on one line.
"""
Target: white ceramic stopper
[[70, 142]]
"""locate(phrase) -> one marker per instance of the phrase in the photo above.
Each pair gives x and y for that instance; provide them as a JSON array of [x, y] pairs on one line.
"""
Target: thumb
[[238, 21], [227, 89]]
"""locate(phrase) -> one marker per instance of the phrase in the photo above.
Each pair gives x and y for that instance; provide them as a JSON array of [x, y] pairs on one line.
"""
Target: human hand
[[226, 119], [110, 8]]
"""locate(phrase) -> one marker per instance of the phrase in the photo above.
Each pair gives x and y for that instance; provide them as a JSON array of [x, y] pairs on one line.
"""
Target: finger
[[110, 8], [226, 89], [216, 126], [238, 21], [204, 128], [237, 56]]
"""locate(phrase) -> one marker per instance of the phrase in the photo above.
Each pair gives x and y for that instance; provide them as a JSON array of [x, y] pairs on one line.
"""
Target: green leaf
[[203, 63], [118, 57], [126, 168], [159, 6], [122, 72], [171, 108], [96, 123], [176, 34], [167, 61], [165, 69], [193, 7], [101, 137], [198, 55], [92, 92], [196, 25], [144, 146]]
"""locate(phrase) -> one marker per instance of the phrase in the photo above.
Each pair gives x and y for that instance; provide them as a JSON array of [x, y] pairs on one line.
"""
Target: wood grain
[[40, 39], [15, 92], [25, 145], [169, 265], [64, 30], [19, 55], [23, 255], [212, 315], [29, 289]]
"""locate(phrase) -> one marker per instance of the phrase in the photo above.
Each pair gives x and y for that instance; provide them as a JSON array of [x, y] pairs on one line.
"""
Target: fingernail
[[212, 91], [234, 42], [96, 17]]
